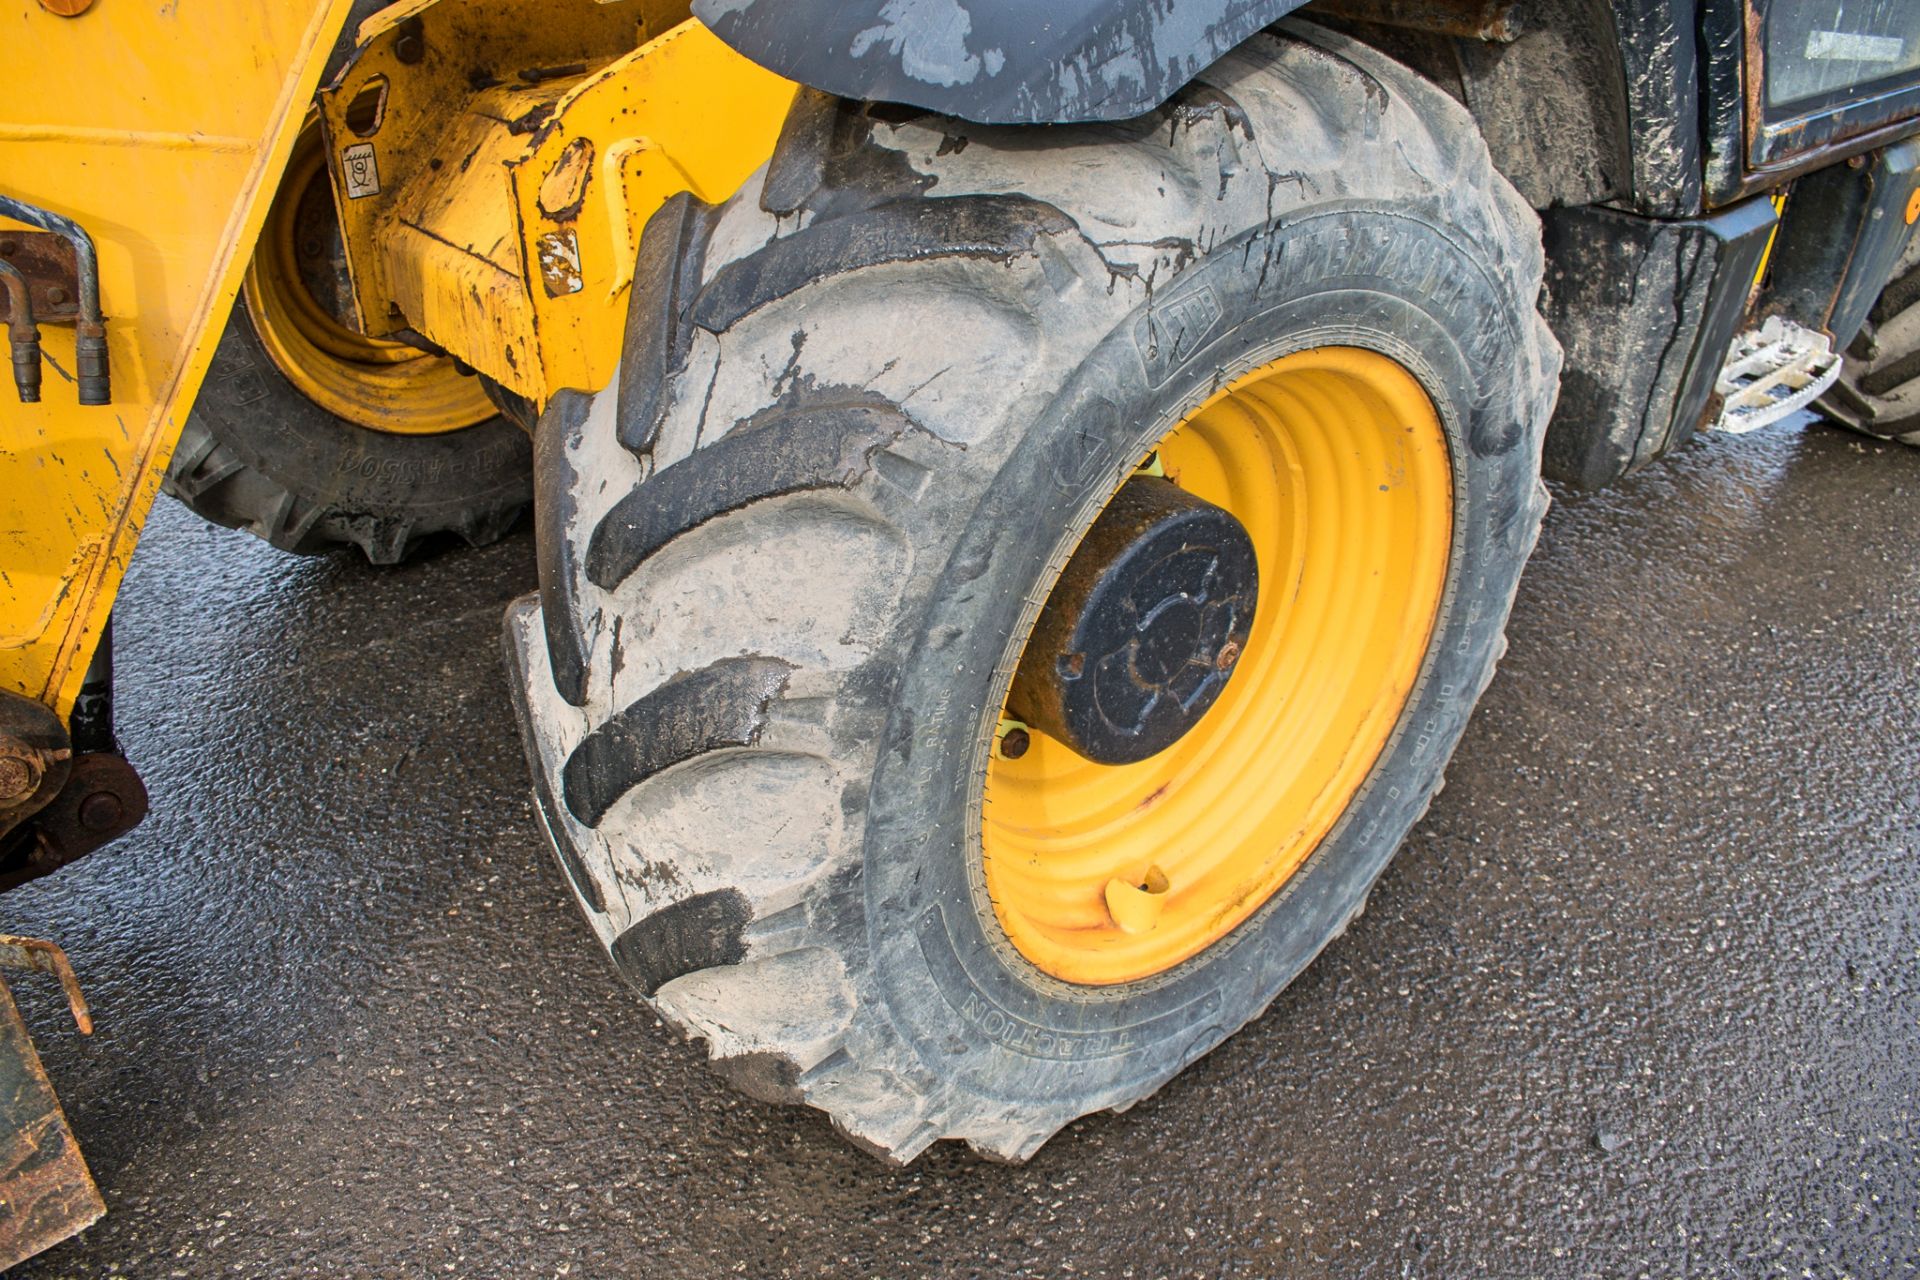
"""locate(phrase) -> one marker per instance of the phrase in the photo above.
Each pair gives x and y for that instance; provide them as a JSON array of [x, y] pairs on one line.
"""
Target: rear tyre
[[868, 411], [1878, 393], [312, 436]]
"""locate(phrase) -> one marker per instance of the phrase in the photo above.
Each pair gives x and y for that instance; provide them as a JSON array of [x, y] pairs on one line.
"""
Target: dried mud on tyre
[[867, 409]]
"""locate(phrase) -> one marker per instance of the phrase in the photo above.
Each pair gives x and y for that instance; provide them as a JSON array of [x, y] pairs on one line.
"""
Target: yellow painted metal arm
[[496, 172], [162, 129]]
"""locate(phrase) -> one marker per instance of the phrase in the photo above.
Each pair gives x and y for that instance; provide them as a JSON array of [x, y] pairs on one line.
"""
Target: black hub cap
[[1144, 628]]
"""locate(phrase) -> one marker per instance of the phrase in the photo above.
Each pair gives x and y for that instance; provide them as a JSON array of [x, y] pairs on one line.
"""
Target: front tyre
[[950, 426]]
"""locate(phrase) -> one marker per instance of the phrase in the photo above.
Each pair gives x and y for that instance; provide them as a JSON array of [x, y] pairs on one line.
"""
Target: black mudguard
[[993, 61]]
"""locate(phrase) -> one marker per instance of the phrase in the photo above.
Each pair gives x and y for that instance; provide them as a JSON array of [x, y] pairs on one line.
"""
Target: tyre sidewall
[[973, 1010], [252, 408]]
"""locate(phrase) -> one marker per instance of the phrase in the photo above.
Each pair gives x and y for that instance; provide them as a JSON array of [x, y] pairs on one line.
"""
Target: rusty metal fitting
[[101, 811], [19, 776], [1011, 739], [35, 759], [37, 955], [90, 363], [410, 42], [79, 803], [90, 334], [26, 368], [22, 333]]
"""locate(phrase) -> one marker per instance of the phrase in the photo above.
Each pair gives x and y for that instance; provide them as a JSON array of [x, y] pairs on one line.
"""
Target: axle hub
[[1144, 628]]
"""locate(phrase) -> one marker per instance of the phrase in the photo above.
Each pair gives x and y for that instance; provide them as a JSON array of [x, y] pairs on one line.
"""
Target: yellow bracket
[[494, 172]]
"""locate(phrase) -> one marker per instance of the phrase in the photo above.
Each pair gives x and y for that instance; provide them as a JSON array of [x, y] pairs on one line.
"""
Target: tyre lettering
[[1174, 329], [1025, 1038], [412, 470]]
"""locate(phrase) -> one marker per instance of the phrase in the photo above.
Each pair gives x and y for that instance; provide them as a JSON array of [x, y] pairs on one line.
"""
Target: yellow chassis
[[498, 220]]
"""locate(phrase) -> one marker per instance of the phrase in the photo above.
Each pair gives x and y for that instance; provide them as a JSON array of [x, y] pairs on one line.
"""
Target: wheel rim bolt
[[101, 811]]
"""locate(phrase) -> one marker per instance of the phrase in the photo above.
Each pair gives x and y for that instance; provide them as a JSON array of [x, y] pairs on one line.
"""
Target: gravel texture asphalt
[[1641, 995]]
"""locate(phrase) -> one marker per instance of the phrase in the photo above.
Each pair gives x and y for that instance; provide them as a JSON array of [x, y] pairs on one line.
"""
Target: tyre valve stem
[[1012, 739], [1136, 908]]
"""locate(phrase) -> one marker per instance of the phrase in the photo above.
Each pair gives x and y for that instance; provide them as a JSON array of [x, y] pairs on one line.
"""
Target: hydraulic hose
[[21, 333], [90, 334]]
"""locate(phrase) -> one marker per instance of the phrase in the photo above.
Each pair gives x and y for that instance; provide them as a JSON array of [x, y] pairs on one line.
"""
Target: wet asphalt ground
[[1641, 996]]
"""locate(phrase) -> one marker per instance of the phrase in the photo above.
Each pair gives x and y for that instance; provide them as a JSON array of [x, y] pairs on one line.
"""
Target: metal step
[[1773, 372]]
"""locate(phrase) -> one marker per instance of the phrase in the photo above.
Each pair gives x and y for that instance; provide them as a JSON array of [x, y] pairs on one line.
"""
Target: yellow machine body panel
[[493, 165], [161, 128], [493, 179]]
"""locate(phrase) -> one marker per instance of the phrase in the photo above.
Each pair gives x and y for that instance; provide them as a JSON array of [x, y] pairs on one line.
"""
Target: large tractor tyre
[[313, 436], [1248, 395], [1879, 388]]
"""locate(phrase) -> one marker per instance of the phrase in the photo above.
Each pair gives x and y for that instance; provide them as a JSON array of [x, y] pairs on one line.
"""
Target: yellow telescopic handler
[[1026, 497]]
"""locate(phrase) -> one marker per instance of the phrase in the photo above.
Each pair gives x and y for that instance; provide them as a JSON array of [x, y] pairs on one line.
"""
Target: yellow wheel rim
[[384, 386], [1335, 462]]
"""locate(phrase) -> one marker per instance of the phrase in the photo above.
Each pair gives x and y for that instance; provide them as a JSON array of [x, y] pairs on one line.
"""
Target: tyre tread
[[867, 214]]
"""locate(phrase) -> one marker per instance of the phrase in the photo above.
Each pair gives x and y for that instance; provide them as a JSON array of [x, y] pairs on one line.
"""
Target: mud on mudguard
[[993, 61]]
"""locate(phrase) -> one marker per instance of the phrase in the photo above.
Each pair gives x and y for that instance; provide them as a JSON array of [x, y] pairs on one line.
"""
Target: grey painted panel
[[993, 61]]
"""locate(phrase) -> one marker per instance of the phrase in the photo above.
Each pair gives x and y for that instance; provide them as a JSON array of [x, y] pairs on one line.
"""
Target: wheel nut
[[410, 40]]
